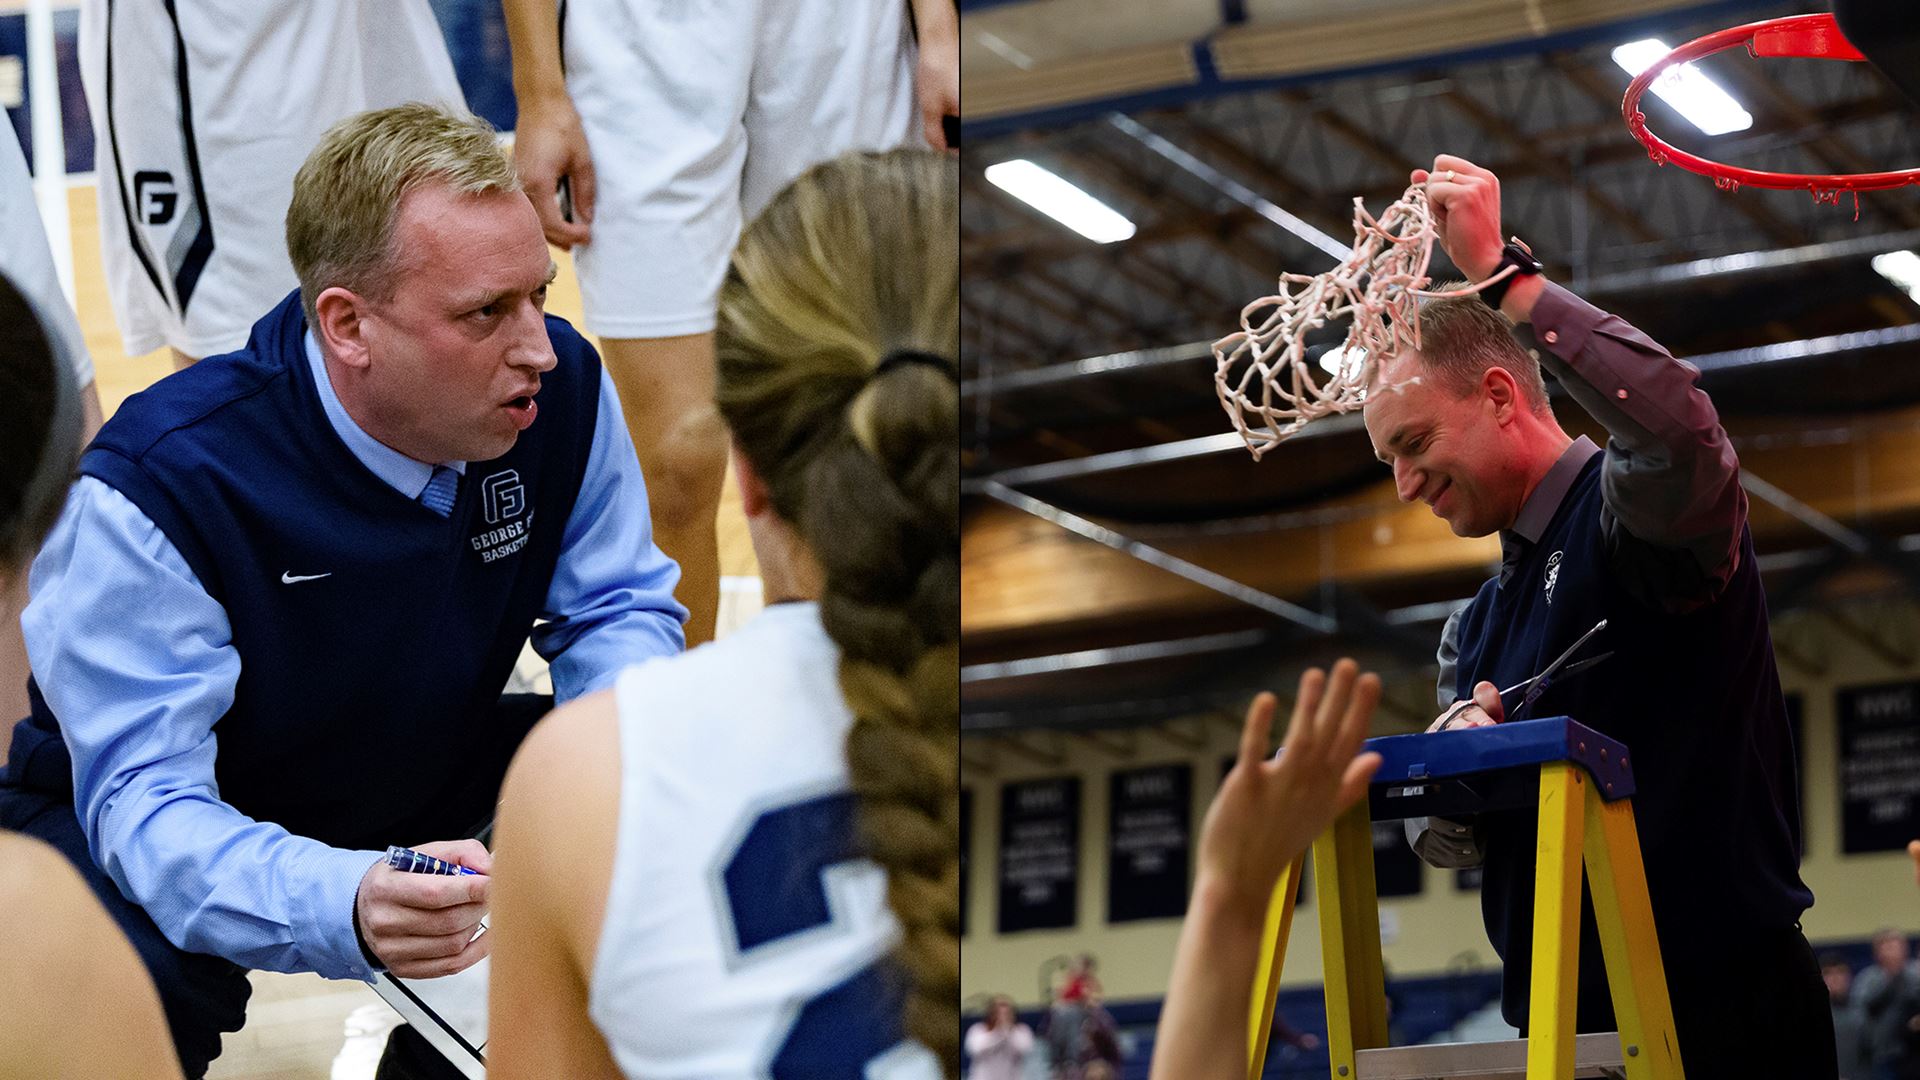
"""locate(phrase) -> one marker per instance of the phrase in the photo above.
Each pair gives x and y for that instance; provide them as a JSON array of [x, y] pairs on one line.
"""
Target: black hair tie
[[902, 357]]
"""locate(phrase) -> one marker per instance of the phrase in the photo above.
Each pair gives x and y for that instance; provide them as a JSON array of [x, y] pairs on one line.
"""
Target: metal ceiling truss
[[1199, 575], [1227, 442], [1314, 148]]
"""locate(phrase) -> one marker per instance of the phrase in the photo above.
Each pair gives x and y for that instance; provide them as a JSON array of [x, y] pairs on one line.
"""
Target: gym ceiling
[[1124, 559]]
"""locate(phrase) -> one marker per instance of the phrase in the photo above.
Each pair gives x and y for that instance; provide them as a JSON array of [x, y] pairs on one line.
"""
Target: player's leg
[[660, 92], [666, 388]]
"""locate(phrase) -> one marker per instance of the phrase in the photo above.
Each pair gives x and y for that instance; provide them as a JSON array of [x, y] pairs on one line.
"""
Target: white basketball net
[[1265, 381]]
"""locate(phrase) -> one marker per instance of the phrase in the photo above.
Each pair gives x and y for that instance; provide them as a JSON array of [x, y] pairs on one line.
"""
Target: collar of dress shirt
[[402, 473], [1537, 513]]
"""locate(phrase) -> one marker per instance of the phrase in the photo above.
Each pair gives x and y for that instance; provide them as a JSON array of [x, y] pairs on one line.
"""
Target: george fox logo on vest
[[503, 498], [1553, 575]]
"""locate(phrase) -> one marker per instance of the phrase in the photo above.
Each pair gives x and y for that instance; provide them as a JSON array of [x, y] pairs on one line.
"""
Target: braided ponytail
[[839, 321]]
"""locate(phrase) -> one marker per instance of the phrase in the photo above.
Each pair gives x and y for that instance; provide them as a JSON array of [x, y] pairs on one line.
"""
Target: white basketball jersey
[[202, 112], [743, 935]]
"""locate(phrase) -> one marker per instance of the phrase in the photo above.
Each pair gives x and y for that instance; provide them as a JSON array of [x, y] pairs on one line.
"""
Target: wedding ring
[[1448, 175]]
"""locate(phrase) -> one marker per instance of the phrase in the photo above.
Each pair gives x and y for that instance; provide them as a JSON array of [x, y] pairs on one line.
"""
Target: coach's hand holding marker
[[421, 922], [414, 862], [1269, 809]]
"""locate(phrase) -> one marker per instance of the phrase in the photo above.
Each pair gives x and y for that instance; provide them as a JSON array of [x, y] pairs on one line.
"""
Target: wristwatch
[[1517, 255]]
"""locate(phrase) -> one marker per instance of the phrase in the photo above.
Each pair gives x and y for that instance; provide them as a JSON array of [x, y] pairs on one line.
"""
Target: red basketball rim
[[1810, 36]]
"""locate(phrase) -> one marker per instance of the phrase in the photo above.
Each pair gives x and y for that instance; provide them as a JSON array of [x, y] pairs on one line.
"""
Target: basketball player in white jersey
[[649, 132], [75, 998], [202, 112], [26, 259], [743, 861]]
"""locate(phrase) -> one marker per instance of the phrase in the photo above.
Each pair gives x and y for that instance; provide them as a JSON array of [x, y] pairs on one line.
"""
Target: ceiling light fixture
[[1060, 200], [1332, 359], [1686, 88], [1902, 268]]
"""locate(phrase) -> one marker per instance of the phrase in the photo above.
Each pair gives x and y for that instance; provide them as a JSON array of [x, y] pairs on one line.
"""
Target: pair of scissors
[[1539, 683]]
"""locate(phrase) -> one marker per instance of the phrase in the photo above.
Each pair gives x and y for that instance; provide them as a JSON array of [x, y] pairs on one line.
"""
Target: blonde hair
[[1461, 337], [854, 264], [346, 197]]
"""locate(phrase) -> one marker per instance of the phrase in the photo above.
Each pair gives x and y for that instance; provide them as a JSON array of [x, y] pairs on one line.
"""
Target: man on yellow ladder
[[1651, 536]]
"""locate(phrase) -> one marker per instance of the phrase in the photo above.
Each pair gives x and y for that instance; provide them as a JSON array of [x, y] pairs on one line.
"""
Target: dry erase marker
[[412, 862]]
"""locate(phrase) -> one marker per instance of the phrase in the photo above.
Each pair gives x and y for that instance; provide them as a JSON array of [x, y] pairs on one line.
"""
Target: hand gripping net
[[1262, 375]]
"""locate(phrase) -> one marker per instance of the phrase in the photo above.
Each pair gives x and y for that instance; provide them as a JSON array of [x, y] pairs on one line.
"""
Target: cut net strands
[[1264, 379]]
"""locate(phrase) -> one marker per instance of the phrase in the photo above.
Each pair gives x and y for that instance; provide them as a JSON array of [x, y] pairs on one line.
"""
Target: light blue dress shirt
[[138, 663]]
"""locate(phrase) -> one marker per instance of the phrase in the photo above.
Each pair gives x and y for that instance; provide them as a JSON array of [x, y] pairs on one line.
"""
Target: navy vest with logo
[[374, 635], [1696, 699]]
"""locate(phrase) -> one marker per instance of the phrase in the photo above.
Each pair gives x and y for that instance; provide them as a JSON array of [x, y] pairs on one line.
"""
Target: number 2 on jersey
[[776, 888]]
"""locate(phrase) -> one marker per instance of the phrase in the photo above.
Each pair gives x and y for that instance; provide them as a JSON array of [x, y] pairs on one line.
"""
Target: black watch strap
[[1517, 255]]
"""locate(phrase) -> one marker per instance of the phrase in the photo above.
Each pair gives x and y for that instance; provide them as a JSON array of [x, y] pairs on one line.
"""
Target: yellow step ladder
[[1582, 783]]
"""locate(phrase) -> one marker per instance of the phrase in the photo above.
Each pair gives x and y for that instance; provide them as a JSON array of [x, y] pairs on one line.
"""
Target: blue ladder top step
[[1442, 754]]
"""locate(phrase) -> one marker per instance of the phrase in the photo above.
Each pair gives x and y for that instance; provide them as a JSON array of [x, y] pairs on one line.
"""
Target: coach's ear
[[1503, 391], [339, 326]]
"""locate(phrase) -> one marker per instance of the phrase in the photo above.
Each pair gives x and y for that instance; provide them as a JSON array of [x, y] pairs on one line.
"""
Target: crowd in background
[[1081, 1041], [1876, 1011], [1876, 1020]]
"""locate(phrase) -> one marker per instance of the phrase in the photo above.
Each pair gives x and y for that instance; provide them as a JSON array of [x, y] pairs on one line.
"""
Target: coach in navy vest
[[271, 632], [1650, 535]]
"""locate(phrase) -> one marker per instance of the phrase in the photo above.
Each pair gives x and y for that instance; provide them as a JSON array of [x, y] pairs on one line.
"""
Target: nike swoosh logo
[[289, 577]]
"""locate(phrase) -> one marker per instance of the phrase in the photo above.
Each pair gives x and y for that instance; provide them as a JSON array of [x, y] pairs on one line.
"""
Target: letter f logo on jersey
[[1553, 575], [503, 497]]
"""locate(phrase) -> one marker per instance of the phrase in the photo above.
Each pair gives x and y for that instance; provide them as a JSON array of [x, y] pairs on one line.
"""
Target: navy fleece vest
[[1696, 699], [365, 696]]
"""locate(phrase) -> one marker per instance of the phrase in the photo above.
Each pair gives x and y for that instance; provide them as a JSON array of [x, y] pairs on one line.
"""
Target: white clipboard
[[450, 1012]]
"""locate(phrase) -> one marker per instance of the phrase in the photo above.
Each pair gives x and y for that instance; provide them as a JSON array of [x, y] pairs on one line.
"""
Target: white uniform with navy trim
[[27, 260], [742, 937], [697, 113], [202, 112]]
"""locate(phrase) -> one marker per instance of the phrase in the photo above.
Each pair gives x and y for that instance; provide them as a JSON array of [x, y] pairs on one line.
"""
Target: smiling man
[[1650, 535], [272, 628]]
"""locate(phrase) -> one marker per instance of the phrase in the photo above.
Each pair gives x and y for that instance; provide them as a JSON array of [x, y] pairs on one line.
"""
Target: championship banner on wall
[[1149, 843], [1879, 730], [1039, 854]]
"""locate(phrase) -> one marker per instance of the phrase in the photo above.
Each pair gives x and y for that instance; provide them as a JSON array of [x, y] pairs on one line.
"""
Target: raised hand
[[1269, 810], [1465, 202]]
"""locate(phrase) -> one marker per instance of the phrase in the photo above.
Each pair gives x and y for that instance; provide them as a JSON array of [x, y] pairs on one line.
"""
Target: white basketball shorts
[[697, 113], [202, 112]]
